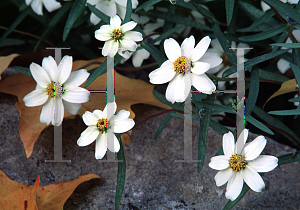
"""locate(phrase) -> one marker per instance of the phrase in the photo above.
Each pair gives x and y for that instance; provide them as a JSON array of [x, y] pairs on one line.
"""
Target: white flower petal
[[110, 48], [122, 115], [128, 44], [101, 146], [104, 33], [124, 53], [88, 136], [112, 142], [35, 98], [47, 112], [37, 7], [72, 108], [115, 22], [99, 114], [58, 112], [253, 150], [172, 49], [264, 163], [228, 144], [253, 179], [51, 5], [89, 118], [187, 46], [170, 92], [283, 65], [50, 66], [200, 49], [223, 176], [134, 35], [200, 67], [121, 2], [76, 95], [139, 56], [220, 162], [202, 83], [241, 141], [76, 78], [128, 26], [182, 87], [234, 186], [110, 109], [94, 19], [93, 2], [163, 74], [122, 126], [40, 75], [264, 6], [216, 44], [121, 11], [64, 69], [109, 9], [28, 1], [212, 58]]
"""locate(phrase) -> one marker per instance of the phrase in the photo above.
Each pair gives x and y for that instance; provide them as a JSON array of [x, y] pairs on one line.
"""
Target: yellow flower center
[[117, 34], [226, 61], [54, 89], [102, 125], [237, 162], [182, 65]]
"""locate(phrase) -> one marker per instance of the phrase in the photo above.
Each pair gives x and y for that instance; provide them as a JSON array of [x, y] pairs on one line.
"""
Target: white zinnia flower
[[57, 89], [103, 124], [37, 5], [118, 38], [110, 8], [282, 64], [186, 66], [266, 7], [241, 163]]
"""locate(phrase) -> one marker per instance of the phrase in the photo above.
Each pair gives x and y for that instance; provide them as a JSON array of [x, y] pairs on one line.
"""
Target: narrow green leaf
[[178, 19], [128, 12], [297, 99], [156, 54], [224, 43], [284, 8], [272, 76], [16, 22], [102, 69], [218, 107], [262, 19], [75, 13], [265, 34], [23, 70], [296, 60], [289, 158], [221, 129], [229, 5], [254, 61], [276, 123], [163, 124], [54, 21], [163, 99], [11, 42], [121, 174], [230, 204], [147, 4], [279, 40], [202, 135], [253, 90], [258, 124], [296, 71], [286, 112], [200, 7], [166, 34], [98, 13], [194, 116], [287, 45]]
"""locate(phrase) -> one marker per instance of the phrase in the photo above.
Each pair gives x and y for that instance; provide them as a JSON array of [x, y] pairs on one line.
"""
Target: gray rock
[[153, 179]]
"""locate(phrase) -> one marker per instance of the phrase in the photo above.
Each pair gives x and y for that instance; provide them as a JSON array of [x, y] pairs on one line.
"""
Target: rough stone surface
[[153, 179]]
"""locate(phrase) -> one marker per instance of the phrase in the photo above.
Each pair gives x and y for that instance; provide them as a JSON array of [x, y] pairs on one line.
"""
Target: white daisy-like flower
[[282, 64], [110, 8], [118, 38], [242, 162], [266, 7], [37, 5], [186, 66], [217, 48], [57, 89], [102, 125]]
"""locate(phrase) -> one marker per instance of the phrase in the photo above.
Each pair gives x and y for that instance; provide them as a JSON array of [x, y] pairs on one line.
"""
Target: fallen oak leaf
[[54, 196], [127, 92], [5, 62], [14, 195]]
